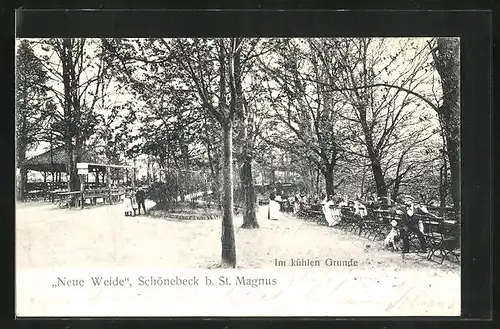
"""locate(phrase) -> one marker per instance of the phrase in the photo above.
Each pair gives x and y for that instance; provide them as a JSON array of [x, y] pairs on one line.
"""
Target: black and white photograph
[[238, 176]]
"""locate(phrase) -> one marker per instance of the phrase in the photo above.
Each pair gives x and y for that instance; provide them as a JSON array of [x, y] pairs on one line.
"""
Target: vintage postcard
[[209, 177]]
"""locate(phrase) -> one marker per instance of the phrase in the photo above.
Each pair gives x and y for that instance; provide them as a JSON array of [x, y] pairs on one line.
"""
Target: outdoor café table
[[54, 193], [440, 222], [32, 195]]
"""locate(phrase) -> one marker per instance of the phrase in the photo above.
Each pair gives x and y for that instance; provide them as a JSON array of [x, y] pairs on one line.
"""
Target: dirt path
[[82, 243], [103, 237]]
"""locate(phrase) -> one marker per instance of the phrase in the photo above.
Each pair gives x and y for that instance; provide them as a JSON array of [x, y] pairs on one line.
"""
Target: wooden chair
[[311, 212], [348, 221], [365, 226], [378, 224], [344, 221], [317, 215], [443, 237]]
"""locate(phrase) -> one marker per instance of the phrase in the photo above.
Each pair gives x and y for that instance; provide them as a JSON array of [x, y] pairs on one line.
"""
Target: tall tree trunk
[[181, 186], [447, 63], [397, 185], [217, 186], [21, 158], [373, 152], [363, 183], [378, 176], [227, 238], [246, 174], [214, 166], [328, 173], [250, 215], [153, 172], [148, 175], [373, 155], [73, 181], [23, 182], [317, 182], [443, 173], [454, 159], [311, 179], [69, 113]]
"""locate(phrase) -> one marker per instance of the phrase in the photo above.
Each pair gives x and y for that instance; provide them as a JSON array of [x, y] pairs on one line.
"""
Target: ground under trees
[[351, 115]]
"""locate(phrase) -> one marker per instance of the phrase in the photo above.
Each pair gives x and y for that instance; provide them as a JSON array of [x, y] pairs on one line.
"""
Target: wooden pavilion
[[52, 163], [105, 178]]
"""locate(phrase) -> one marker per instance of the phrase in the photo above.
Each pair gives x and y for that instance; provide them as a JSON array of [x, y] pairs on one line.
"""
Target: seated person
[[360, 209], [328, 212], [383, 203]]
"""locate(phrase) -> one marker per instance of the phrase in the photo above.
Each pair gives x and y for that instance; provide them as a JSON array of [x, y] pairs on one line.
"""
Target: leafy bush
[[163, 194]]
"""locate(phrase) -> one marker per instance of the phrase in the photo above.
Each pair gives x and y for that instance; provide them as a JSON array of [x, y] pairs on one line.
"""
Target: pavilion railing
[[45, 186]]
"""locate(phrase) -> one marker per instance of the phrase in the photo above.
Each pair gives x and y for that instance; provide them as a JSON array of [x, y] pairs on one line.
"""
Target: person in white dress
[[129, 206], [337, 211], [360, 209], [274, 206], [296, 203], [326, 210], [332, 216]]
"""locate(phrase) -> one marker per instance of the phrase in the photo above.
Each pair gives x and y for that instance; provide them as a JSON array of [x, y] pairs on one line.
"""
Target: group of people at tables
[[332, 205]]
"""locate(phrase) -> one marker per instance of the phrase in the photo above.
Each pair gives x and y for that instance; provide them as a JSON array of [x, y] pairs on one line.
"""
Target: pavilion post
[[108, 177], [82, 190], [133, 177]]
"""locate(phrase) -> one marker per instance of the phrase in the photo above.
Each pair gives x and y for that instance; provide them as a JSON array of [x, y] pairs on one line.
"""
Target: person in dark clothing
[[410, 226], [140, 197], [272, 195], [383, 203]]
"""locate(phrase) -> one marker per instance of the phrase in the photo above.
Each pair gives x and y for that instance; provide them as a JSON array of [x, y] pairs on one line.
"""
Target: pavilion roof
[[56, 160]]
